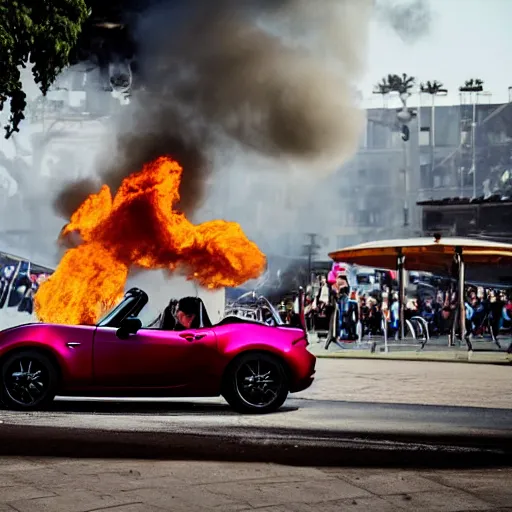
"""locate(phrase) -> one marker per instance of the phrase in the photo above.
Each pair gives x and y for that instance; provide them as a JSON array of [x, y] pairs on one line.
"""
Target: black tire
[[28, 381], [264, 395]]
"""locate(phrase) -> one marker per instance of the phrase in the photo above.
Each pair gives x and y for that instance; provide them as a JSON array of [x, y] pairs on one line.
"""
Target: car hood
[[16, 328], [20, 331]]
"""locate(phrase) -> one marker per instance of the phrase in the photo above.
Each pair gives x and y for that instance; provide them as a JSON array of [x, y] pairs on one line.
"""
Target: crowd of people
[[18, 285], [348, 314], [343, 310]]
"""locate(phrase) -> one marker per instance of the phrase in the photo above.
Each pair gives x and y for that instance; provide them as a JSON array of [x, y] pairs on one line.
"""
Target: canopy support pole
[[401, 293], [462, 302]]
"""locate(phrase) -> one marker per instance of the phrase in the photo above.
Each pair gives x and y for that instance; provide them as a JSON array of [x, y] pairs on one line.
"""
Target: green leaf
[[40, 31]]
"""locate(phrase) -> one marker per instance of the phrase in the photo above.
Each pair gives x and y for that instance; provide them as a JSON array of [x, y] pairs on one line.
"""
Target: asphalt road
[[356, 412], [337, 417], [304, 431]]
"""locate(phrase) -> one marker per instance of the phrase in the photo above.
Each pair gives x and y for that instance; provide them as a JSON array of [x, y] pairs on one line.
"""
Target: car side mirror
[[130, 325]]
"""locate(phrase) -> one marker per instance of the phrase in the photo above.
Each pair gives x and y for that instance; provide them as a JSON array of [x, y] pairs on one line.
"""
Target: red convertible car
[[252, 364]]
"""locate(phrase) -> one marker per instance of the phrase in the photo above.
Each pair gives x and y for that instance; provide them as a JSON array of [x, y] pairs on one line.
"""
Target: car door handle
[[73, 344], [191, 337]]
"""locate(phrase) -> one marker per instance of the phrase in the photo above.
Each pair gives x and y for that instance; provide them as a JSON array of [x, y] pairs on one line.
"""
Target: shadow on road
[[160, 408], [282, 446]]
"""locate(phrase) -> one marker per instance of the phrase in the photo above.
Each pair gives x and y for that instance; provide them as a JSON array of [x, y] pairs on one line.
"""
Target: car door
[[152, 358]]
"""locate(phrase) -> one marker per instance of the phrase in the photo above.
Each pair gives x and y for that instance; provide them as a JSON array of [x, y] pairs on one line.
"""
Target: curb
[[466, 357], [291, 447]]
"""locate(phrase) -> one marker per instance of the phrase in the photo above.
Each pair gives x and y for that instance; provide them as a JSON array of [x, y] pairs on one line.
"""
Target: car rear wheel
[[256, 383], [28, 380]]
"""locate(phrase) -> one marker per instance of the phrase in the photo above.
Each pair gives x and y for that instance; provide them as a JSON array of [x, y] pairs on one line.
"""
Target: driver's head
[[186, 311]]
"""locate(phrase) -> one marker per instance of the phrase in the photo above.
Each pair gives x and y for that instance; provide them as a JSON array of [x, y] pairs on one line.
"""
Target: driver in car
[[186, 313]]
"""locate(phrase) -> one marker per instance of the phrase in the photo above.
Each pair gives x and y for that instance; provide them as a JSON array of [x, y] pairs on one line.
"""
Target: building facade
[[445, 166]]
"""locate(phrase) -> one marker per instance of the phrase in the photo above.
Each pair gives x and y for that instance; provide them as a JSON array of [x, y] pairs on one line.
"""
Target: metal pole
[[461, 113], [406, 187], [432, 137], [385, 329], [462, 306], [401, 294], [473, 144]]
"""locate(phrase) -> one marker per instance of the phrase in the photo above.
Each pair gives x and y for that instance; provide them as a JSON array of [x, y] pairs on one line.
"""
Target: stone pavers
[[86, 485]]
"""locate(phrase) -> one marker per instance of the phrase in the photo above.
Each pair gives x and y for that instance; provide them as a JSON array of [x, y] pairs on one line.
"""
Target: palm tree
[[401, 84], [433, 88], [383, 88], [472, 85]]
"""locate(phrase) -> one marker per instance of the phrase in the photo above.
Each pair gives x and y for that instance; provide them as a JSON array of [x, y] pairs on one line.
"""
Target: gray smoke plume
[[274, 77], [411, 20]]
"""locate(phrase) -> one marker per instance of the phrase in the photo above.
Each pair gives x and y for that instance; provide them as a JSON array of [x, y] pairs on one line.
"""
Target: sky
[[467, 39]]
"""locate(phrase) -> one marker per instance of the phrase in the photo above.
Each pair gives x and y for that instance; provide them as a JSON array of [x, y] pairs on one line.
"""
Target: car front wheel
[[28, 381], [256, 383]]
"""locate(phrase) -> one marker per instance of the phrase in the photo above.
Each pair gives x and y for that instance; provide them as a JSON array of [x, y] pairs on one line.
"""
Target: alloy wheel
[[258, 382], [26, 381]]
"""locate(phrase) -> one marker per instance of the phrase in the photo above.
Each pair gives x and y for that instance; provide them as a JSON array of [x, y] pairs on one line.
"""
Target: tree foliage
[[472, 85], [395, 83], [39, 32], [433, 87]]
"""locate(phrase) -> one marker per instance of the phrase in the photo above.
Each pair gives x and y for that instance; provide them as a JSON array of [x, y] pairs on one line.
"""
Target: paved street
[[412, 382], [355, 407], [67, 485]]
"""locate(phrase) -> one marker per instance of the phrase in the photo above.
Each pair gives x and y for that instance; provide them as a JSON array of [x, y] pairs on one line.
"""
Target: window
[[363, 218], [424, 136], [379, 136], [425, 176], [396, 138], [376, 218]]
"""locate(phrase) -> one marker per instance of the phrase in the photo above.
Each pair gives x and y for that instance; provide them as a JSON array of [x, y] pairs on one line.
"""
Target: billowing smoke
[[274, 78], [411, 19], [255, 98]]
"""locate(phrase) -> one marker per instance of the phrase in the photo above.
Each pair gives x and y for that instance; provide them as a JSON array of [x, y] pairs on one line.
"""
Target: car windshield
[[150, 316], [126, 303], [134, 300], [256, 308]]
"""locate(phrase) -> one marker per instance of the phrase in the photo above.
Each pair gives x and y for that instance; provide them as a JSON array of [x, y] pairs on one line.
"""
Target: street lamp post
[[434, 88], [405, 116], [310, 251], [474, 87]]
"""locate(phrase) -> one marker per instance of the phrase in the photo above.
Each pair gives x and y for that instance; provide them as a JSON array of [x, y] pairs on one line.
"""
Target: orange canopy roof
[[425, 254]]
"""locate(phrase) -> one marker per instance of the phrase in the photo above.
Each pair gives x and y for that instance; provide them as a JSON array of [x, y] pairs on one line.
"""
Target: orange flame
[[138, 227]]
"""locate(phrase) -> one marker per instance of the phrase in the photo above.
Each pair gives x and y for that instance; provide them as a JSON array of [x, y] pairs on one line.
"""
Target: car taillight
[[301, 342]]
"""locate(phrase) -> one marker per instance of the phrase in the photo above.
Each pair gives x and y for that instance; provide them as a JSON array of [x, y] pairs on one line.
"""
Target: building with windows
[[445, 168], [375, 185], [466, 174]]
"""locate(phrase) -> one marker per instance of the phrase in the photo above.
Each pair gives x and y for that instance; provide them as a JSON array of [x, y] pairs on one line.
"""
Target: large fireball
[[138, 227]]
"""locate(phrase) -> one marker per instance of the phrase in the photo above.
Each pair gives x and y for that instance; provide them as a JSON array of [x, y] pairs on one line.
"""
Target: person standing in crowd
[[323, 295], [322, 304], [341, 289], [308, 308], [495, 313], [364, 314], [352, 316]]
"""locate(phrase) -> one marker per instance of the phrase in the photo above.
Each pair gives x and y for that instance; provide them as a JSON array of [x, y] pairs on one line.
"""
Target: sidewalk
[[436, 350], [86, 485]]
